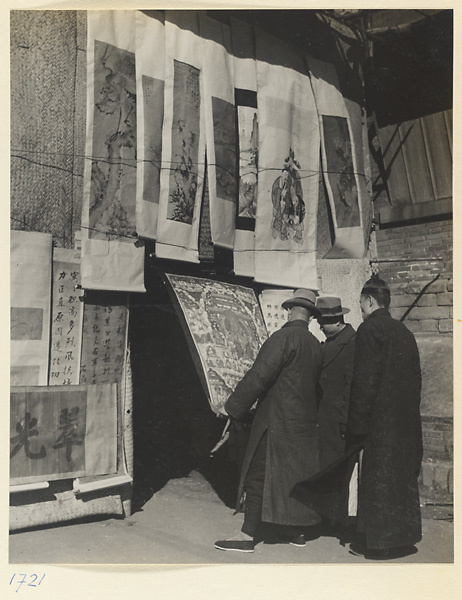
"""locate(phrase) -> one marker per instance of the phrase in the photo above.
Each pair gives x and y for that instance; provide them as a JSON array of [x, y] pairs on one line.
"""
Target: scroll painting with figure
[[288, 166], [227, 329], [110, 258]]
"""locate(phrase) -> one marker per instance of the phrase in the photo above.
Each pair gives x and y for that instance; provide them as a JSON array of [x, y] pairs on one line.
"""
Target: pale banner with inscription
[[30, 268], [61, 432]]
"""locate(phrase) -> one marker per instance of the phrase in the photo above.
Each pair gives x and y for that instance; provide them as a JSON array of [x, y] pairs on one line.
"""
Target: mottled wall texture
[[48, 88]]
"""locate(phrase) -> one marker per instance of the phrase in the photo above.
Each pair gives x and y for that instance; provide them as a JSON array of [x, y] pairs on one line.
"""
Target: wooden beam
[[415, 212]]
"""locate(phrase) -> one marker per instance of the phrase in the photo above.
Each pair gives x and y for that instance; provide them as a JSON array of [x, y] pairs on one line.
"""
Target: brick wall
[[421, 252]]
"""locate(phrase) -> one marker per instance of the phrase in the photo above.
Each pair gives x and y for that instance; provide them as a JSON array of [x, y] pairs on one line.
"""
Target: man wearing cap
[[338, 352], [384, 417], [283, 443]]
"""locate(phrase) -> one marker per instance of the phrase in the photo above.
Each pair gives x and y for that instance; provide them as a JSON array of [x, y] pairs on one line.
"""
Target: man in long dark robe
[[283, 444], [384, 415], [338, 354]]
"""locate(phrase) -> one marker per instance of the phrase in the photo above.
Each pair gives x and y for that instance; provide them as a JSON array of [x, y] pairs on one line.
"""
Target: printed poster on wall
[[150, 81], [112, 259], [227, 329], [220, 128], [245, 81], [183, 139], [339, 162], [30, 280], [66, 318], [276, 317], [62, 432], [288, 166]]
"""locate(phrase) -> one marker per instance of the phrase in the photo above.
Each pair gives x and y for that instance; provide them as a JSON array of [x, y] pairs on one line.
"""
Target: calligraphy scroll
[[30, 268], [104, 340], [150, 78], [245, 81], [110, 258], [339, 162], [220, 128], [183, 151], [288, 164], [66, 318], [227, 330], [61, 432], [276, 317]]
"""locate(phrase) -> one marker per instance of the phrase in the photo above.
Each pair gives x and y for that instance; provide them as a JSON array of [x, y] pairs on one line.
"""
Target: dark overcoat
[[385, 406], [384, 414], [284, 379], [338, 355]]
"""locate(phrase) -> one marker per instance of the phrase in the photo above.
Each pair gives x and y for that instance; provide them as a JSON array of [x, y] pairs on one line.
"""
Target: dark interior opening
[[174, 426]]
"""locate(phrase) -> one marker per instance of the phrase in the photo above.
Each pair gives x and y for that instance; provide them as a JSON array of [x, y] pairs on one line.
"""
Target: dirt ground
[[179, 525]]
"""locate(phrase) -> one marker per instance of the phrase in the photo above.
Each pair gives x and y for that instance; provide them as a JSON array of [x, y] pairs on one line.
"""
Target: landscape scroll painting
[[110, 258], [150, 82], [339, 162], [220, 128], [227, 328], [245, 81], [183, 141]]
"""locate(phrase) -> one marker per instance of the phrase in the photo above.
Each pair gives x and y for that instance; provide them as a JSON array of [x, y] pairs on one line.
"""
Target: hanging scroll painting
[[62, 432], [150, 81], [30, 285], [110, 258], [245, 81], [288, 165], [227, 329], [339, 162], [183, 151], [66, 318], [220, 128]]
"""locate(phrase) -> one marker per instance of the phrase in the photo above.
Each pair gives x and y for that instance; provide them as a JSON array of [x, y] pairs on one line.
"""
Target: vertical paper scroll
[[110, 259], [150, 81], [340, 162], [245, 81], [285, 234], [66, 318], [30, 267], [183, 151], [220, 128]]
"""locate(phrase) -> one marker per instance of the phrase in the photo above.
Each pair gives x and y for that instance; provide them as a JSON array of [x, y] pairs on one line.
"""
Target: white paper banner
[[110, 258], [285, 234], [150, 83], [183, 151], [30, 279]]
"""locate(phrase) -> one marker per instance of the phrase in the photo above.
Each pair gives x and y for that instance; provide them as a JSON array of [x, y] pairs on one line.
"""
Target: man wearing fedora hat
[[283, 443], [338, 353]]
